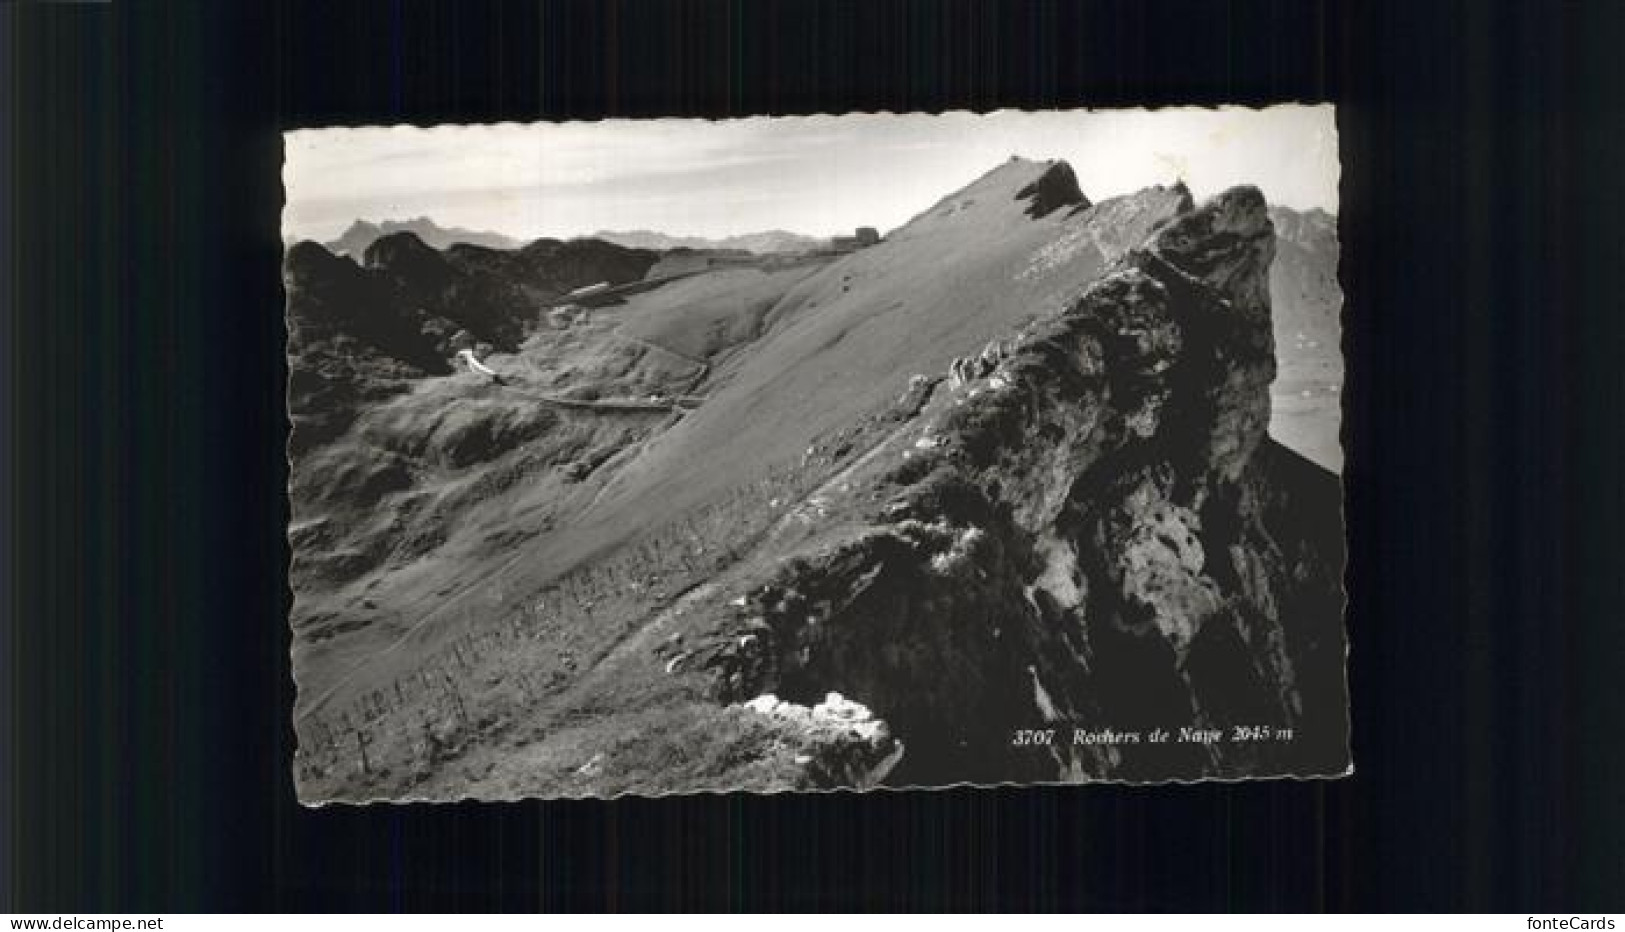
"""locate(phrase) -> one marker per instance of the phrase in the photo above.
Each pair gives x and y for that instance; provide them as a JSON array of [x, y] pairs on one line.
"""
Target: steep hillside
[[839, 522], [1308, 334]]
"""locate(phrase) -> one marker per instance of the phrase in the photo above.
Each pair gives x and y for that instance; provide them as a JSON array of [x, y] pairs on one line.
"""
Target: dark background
[[144, 745]]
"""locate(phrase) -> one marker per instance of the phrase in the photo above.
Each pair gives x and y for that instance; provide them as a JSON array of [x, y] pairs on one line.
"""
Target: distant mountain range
[[1303, 277], [765, 242], [363, 233]]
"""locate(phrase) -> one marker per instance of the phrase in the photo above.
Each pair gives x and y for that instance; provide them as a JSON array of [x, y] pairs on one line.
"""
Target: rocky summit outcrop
[[1055, 188], [1087, 530], [846, 744]]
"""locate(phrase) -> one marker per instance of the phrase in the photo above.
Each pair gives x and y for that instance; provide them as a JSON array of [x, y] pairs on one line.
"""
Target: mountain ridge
[[360, 235], [761, 243]]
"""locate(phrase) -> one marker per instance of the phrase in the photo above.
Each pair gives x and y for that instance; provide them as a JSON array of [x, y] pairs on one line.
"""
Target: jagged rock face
[[1227, 245], [1091, 530], [849, 746], [1217, 262]]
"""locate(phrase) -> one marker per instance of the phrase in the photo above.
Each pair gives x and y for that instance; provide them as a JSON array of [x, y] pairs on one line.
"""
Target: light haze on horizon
[[817, 176]]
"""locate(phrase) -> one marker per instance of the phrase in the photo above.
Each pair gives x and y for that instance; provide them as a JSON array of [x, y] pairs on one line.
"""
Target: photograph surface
[[811, 453]]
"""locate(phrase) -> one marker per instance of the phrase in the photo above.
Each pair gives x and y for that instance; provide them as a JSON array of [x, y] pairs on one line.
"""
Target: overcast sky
[[812, 175]]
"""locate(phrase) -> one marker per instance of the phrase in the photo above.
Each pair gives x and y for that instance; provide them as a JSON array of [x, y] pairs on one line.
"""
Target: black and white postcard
[[795, 454]]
